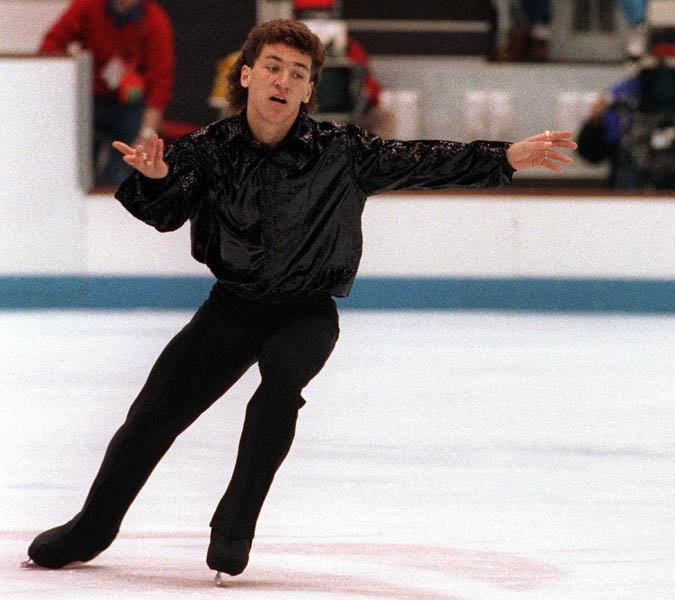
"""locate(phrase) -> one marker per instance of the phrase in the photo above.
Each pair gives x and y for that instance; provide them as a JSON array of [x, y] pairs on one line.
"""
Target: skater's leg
[[289, 358], [193, 371]]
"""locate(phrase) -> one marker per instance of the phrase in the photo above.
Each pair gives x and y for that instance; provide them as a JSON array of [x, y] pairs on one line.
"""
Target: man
[[275, 201], [131, 42]]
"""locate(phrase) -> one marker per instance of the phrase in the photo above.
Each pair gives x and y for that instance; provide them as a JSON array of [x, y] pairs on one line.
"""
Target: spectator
[[636, 12], [631, 126], [132, 46], [529, 35], [609, 121], [376, 118], [310, 9], [538, 19]]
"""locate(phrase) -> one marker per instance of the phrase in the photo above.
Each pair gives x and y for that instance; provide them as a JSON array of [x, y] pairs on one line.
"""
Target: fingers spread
[[556, 135], [552, 166], [155, 150], [560, 157], [122, 147], [159, 151], [550, 136], [541, 145], [540, 137], [140, 155], [151, 148]]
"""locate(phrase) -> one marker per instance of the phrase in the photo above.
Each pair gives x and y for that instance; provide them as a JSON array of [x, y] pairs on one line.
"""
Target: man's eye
[[272, 68], [298, 75]]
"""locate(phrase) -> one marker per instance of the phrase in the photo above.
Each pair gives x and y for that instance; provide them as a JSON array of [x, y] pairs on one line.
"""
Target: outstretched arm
[[148, 159], [165, 189], [384, 165], [537, 151]]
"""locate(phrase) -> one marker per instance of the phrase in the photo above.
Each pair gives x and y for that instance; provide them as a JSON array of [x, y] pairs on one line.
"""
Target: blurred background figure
[[345, 52], [524, 26], [131, 42], [633, 125], [636, 12], [538, 24], [218, 95], [529, 31], [375, 117], [317, 9]]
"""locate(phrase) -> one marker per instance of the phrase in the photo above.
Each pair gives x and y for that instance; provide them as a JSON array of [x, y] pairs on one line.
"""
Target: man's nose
[[282, 79]]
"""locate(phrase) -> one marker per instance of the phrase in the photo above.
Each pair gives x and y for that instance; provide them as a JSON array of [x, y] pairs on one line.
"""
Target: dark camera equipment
[[657, 89]]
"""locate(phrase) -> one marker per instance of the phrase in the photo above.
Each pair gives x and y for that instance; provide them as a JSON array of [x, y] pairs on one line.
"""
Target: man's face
[[278, 84], [124, 6]]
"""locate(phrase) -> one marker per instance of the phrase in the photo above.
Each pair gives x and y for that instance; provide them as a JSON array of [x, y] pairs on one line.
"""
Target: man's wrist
[[146, 132]]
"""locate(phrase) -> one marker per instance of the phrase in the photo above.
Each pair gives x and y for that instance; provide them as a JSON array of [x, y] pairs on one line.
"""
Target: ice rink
[[441, 455]]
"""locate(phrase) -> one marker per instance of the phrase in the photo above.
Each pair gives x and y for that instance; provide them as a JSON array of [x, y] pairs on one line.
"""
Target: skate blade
[[29, 564], [220, 579]]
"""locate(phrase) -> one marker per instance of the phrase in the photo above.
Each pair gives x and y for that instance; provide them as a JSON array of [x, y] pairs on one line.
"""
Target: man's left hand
[[537, 151]]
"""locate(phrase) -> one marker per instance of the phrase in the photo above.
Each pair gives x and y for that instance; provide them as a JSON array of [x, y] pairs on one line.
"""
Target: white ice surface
[[471, 456]]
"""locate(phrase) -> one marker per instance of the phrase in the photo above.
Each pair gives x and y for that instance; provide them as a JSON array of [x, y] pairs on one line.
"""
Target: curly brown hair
[[287, 31]]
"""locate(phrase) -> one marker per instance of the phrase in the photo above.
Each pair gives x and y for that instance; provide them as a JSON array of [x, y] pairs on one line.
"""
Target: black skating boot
[[60, 546], [227, 556]]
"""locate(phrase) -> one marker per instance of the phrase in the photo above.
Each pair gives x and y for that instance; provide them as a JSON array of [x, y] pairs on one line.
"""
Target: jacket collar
[[121, 19], [300, 135]]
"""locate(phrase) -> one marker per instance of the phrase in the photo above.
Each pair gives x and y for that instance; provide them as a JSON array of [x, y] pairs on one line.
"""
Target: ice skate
[[29, 563], [58, 547], [227, 556]]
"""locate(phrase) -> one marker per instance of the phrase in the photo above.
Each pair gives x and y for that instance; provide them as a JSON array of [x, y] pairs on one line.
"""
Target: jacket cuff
[[507, 169]]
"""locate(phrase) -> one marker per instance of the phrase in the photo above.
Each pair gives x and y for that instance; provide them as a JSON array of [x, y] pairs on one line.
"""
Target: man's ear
[[308, 95], [245, 76]]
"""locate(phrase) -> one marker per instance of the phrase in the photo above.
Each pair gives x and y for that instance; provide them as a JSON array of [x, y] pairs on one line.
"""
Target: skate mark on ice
[[324, 568], [512, 572]]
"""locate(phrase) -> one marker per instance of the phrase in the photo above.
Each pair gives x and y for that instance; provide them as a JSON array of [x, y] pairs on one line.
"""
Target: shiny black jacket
[[287, 220]]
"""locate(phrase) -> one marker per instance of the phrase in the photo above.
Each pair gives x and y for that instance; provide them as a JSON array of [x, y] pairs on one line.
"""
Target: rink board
[[389, 293]]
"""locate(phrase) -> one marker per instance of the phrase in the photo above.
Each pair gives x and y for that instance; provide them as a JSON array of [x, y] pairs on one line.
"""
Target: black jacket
[[287, 220]]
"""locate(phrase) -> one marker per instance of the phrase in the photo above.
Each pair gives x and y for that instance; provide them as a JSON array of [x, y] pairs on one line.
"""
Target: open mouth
[[278, 99]]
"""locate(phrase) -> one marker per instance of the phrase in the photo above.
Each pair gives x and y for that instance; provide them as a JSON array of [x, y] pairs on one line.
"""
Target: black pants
[[291, 341]]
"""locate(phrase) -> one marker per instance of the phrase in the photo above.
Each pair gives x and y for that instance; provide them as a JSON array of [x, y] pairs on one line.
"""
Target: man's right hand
[[148, 160]]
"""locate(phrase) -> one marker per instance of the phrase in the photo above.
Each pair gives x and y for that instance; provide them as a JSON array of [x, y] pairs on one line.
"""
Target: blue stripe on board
[[523, 294]]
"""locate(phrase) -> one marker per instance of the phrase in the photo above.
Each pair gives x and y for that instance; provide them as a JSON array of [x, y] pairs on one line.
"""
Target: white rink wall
[[430, 235], [25, 21]]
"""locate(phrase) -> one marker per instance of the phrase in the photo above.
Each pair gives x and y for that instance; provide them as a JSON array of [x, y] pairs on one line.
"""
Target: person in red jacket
[[132, 45], [376, 118]]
